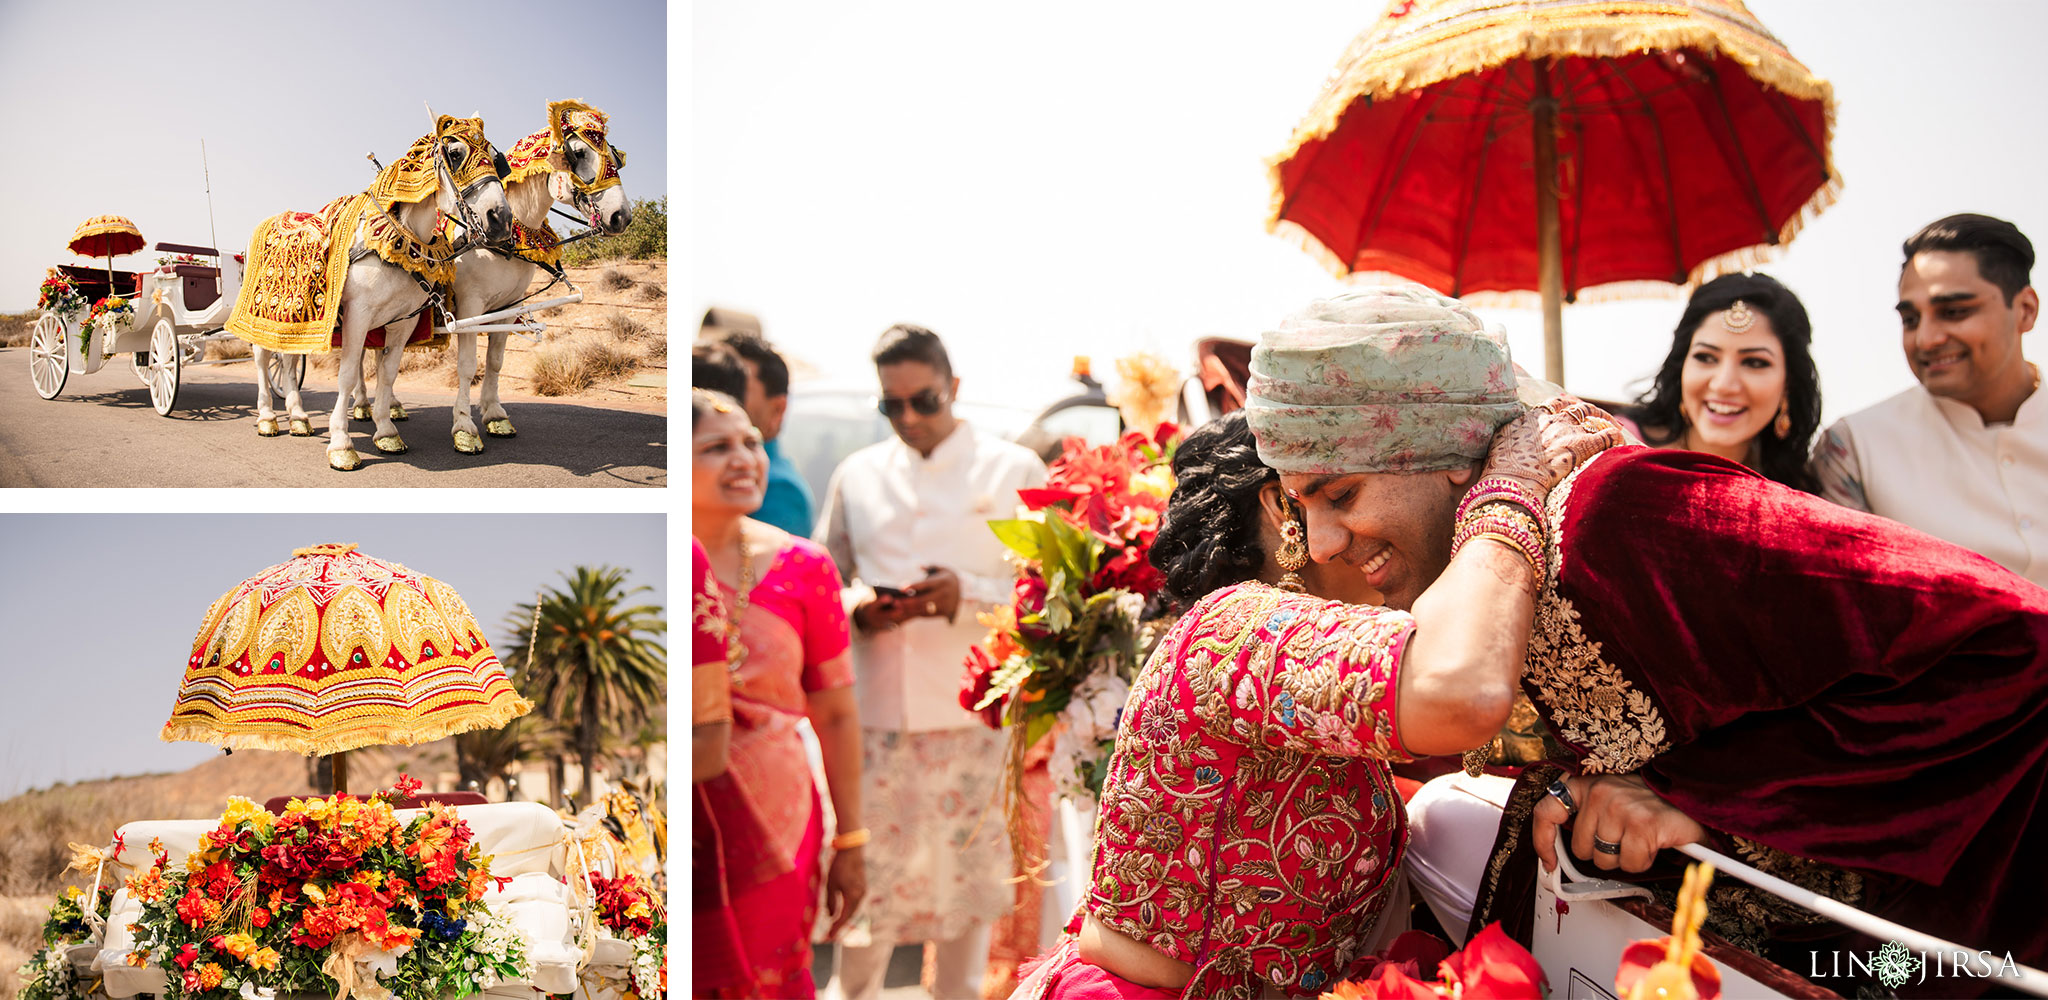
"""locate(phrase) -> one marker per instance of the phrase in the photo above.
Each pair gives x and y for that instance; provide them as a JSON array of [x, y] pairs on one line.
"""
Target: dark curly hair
[[1782, 459], [1210, 536]]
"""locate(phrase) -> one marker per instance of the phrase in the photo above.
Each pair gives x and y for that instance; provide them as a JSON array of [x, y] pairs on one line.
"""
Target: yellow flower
[[241, 810], [373, 879], [73, 892], [264, 958], [238, 944], [313, 893], [1157, 481]]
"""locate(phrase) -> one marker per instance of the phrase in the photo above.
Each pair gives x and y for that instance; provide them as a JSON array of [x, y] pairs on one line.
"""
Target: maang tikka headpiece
[[1738, 317]]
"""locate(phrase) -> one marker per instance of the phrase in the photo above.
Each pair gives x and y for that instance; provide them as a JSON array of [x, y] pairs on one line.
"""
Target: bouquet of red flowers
[[335, 889], [59, 295], [630, 909], [1069, 644]]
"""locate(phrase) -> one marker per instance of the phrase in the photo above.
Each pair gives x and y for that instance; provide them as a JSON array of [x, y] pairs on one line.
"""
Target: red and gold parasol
[[335, 650], [1558, 145], [107, 236]]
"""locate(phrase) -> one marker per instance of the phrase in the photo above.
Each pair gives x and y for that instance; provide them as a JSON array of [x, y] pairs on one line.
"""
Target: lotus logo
[[1894, 965]]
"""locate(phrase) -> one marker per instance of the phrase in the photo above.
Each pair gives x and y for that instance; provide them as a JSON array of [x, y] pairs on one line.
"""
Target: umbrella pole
[[340, 763], [1549, 239]]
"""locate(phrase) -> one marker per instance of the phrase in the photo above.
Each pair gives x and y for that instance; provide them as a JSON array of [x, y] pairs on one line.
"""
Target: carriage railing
[[1583, 887]]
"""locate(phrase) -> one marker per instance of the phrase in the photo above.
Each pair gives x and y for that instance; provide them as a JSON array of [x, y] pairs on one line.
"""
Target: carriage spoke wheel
[[277, 365], [164, 365], [49, 359]]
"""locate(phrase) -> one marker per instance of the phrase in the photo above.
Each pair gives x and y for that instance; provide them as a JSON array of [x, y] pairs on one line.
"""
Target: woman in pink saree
[[788, 662]]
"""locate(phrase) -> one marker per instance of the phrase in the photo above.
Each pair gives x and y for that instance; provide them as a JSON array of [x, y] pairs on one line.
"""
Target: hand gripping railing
[[2031, 980]]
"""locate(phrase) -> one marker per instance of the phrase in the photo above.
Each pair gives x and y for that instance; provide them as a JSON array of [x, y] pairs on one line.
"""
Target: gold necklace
[[735, 650]]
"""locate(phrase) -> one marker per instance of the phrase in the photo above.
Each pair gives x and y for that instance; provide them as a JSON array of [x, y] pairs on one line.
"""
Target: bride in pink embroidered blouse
[[1250, 837]]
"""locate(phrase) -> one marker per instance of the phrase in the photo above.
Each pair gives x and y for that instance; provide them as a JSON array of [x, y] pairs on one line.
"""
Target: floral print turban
[[1393, 379]]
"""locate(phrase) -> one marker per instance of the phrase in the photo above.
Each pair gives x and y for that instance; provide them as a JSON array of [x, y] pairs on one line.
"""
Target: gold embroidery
[[289, 634], [1590, 700], [353, 623]]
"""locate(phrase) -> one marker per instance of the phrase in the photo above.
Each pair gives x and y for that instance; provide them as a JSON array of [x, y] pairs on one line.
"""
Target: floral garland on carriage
[[48, 974], [1065, 651], [58, 295], [301, 902]]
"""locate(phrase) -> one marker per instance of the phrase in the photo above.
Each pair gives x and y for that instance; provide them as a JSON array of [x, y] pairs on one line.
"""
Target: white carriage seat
[[1452, 823], [537, 904]]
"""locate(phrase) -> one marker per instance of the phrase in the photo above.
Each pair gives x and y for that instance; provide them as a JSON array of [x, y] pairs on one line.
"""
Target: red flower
[[192, 908], [1029, 599], [188, 955], [259, 917], [406, 785], [1639, 956], [975, 683], [1493, 965]]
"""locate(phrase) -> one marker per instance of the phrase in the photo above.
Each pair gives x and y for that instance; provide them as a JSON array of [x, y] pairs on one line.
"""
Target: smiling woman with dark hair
[[1739, 381]]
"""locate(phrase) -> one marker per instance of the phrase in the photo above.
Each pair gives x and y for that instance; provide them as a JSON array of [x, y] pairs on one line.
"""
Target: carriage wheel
[[49, 358], [164, 366], [277, 365]]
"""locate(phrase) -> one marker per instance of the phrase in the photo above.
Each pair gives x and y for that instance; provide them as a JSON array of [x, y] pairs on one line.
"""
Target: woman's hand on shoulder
[[1542, 446]]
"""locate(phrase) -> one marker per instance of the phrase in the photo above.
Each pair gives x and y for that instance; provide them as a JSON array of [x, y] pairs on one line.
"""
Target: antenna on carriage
[[207, 173]]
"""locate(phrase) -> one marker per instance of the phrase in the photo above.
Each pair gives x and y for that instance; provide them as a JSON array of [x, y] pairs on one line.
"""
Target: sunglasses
[[926, 403]]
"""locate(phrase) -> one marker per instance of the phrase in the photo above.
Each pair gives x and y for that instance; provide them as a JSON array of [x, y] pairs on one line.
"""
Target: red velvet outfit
[[1846, 702]]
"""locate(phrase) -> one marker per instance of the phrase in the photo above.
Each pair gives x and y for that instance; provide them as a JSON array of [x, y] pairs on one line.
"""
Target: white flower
[[1087, 732], [251, 991]]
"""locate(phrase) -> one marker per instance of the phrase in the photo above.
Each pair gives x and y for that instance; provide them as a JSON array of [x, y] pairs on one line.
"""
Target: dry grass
[[570, 366], [14, 330], [614, 279], [653, 292], [21, 933], [223, 350]]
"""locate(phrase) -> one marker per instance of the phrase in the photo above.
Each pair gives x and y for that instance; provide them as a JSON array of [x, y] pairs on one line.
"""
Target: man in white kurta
[[1963, 455], [910, 516]]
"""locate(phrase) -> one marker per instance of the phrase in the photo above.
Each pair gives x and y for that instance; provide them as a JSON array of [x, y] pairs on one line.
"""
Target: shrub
[[646, 238], [15, 330]]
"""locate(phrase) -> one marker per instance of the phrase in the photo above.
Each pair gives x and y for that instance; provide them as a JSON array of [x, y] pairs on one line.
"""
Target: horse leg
[[266, 416], [294, 404], [358, 394], [341, 452], [466, 439], [496, 423], [386, 438]]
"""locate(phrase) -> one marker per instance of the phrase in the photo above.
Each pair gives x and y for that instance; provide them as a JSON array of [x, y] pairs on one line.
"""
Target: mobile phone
[[893, 593]]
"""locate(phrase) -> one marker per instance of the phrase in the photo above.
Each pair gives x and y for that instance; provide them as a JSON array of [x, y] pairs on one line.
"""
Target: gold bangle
[[850, 839]]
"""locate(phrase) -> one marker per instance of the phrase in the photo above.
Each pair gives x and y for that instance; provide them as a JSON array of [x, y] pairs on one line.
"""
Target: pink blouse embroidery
[[1249, 823]]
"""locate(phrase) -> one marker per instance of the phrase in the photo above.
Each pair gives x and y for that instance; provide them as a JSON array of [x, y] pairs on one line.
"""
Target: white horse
[[377, 292], [570, 161]]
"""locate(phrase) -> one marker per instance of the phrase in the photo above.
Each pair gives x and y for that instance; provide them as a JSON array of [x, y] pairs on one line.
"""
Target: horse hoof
[[468, 443], [359, 412], [398, 412], [267, 427], [302, 428], [393, 445], [500, 428], [345, 460]]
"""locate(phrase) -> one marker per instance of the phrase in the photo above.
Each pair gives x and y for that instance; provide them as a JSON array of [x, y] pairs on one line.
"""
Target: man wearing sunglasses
[[907, 522]]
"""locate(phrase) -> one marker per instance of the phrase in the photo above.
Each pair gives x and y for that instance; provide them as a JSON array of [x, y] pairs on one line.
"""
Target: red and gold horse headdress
[[415, 177], [545, 151]]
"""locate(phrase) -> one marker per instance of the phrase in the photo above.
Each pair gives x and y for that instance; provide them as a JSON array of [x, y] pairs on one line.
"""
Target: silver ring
[[1563, 795], [1605, 846]]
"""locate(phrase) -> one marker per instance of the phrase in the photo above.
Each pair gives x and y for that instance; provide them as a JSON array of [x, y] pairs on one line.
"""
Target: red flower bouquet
[[335, 887], [1068, 646]]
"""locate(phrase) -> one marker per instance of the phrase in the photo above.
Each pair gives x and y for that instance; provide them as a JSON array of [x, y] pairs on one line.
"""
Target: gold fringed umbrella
[[1489, 146], [333, 651], [107, 236]]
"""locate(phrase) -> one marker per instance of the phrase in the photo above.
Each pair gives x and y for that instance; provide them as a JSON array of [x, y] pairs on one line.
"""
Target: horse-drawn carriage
[[162, 318]]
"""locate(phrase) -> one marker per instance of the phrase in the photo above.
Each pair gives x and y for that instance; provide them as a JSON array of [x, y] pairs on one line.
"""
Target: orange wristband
[[850, 839]]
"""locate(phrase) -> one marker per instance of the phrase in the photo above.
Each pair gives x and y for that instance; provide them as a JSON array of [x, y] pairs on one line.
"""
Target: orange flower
[[238, 944], [210, 975], [264, 958]]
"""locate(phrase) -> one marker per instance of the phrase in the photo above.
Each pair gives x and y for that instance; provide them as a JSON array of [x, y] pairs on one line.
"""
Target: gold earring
[[1293, 554], [1783, 425]]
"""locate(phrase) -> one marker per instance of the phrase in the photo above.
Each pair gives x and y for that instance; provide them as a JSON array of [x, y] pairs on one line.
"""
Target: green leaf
[[1037, 728], [1024, 537]]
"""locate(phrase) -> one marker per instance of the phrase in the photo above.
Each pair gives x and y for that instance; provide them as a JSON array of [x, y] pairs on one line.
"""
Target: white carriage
[[173, 311]]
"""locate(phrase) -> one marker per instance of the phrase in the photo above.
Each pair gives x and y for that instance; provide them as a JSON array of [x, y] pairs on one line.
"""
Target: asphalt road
[[100, 431]]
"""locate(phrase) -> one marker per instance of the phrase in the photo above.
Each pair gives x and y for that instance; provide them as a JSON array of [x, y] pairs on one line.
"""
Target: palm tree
[[484, 754], [591, 657]]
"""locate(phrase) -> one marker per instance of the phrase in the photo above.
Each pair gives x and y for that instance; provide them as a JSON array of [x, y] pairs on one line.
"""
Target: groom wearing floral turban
[[1828, 696]]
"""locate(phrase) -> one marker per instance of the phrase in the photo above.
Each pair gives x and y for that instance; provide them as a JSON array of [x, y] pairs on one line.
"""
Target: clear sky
[[106, 104], [99, 611], [1076, 178]]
